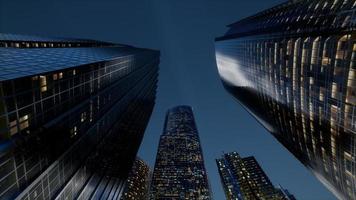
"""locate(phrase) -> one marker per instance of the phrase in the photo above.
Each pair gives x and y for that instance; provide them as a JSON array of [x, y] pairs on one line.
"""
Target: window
[[13, 127], [315, 51], [334, 90], [342, 47], [83, 116], [23, 122], [43, 83], [74, 131]]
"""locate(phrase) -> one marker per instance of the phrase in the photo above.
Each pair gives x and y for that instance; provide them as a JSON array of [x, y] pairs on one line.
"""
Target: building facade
[[137, 185], [72, 115], [243, 178], [293, 68], [179, 171]]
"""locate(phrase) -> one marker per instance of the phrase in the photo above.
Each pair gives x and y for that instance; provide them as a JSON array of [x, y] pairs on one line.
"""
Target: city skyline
[[184, 32]]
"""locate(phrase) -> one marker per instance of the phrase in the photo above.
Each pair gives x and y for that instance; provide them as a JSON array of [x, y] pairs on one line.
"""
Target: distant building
[[137, 184], [244, 179], [285, 193], [72, 115], [179, 172], [293, 67]]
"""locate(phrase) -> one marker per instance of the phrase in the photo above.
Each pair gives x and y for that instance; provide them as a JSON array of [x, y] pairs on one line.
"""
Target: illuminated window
[[334, 4], [322, 94], [325, 4], [13, 127], [315, 50], [83, 116], [55, 76], [351, 87], [342, 47], [326, 61], [334, 111], [334, 90], [60, 75], [74, 131], [43, 83]]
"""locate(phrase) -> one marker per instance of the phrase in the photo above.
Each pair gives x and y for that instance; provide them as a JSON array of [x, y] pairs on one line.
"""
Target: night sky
[[184, 32]]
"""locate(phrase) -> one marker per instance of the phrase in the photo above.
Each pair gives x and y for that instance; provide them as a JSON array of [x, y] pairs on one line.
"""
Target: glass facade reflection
[[179, 171], [243, 178], [293, 68], [65, 107]]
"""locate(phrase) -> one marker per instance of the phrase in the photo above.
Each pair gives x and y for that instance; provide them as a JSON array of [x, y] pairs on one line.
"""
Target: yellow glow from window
[[43, 83], [334, 90]]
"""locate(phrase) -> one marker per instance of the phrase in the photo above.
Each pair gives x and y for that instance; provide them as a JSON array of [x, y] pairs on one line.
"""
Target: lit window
[[23, 122], [342, 47], [326, 61], [24, 125], [74, 131], [43, 83], [83, 116], [315, 50], [13, 127], [334, 4], [334, 90], [23, 118], [60, 75], [13, 130]]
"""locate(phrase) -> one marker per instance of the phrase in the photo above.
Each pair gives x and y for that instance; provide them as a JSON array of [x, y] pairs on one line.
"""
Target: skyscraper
[[137, 184], [243, 178], [179, 171], [293, 68], [72, 115]]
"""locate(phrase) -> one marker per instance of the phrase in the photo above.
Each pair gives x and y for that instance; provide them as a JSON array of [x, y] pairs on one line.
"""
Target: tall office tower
[[293, 68], [243, 178], [137, 184], [179, 172], [72, 115]]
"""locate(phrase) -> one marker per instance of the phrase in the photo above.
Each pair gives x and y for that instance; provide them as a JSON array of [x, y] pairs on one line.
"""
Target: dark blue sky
[[184, 31]]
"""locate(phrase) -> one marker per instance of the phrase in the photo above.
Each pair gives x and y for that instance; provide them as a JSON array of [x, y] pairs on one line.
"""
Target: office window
[[43, 83]]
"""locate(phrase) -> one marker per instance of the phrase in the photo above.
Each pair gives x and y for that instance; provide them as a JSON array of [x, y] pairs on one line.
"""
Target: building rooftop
[[34, 38], [17, 62]]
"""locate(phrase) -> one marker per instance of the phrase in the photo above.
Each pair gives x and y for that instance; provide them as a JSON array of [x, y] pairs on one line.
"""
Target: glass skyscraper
[[293, 68], [137, 184], [72, 115], [179, 171], [244, 179]]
